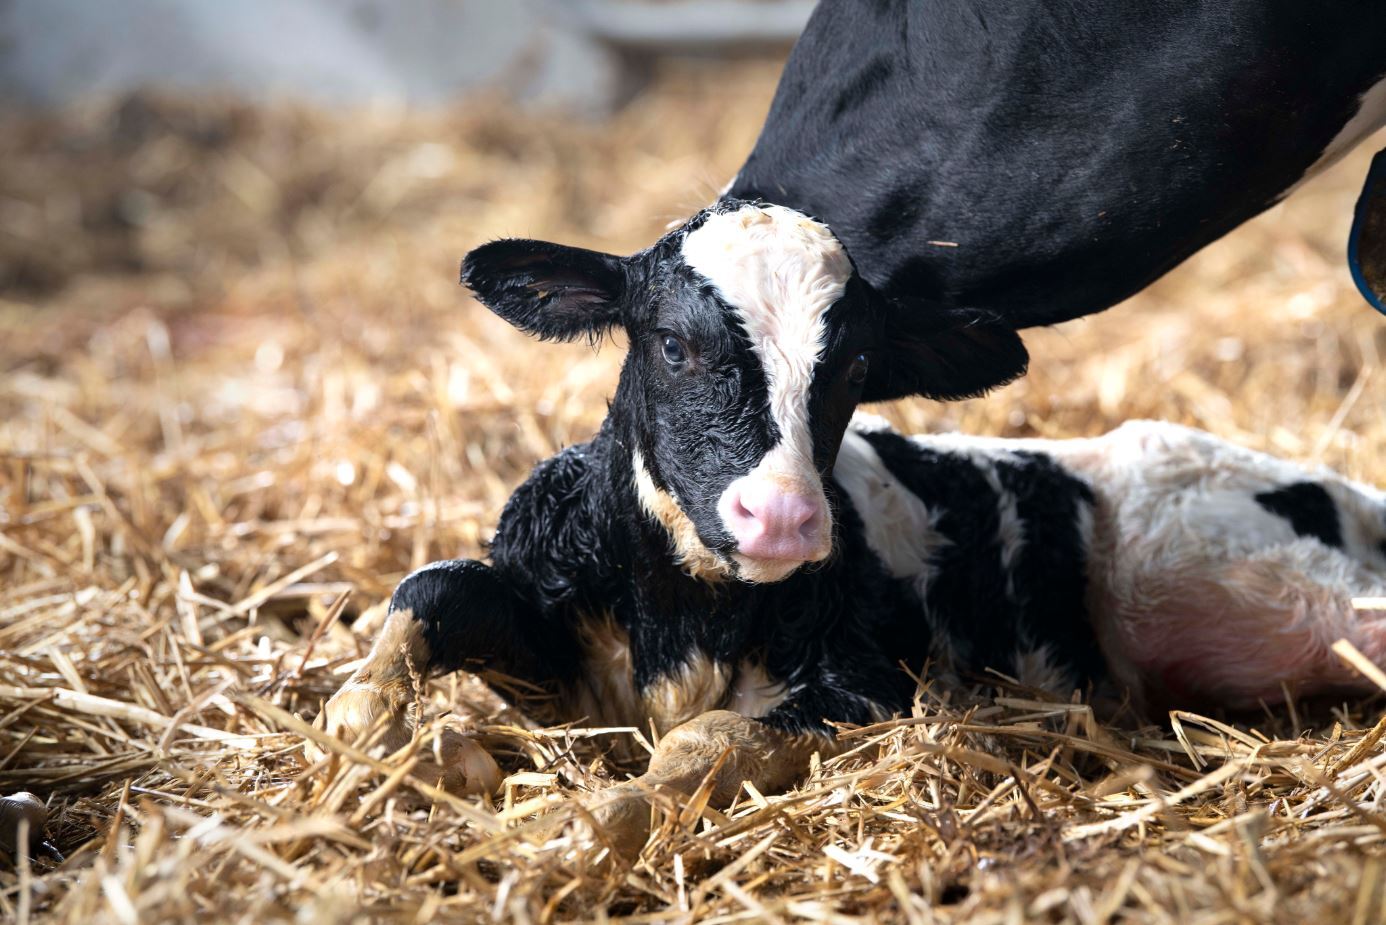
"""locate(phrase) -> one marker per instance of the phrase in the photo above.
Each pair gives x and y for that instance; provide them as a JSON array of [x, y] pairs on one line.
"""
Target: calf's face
[[751, 341]]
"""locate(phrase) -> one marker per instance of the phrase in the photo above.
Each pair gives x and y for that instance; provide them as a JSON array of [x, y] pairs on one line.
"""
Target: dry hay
[[242, 396]]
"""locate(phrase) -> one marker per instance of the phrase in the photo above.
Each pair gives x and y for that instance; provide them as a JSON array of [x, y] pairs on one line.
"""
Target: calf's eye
[[674, 354], [856, 373]]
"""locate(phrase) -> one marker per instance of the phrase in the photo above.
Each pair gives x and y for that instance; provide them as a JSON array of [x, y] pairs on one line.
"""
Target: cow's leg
[[1237, 633], [1220, 575], [447, 616]]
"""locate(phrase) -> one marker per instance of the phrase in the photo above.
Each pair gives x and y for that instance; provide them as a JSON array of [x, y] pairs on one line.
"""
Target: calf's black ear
[[943, 353], [549, 290]]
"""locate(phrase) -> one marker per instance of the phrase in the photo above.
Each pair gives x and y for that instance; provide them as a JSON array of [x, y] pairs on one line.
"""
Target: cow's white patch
[[780, 271], [864, 422], [1010, 529], [1370, 116], [1010, 533]]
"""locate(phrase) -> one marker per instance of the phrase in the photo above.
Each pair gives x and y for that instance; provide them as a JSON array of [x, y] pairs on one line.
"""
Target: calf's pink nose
[[770, 523]]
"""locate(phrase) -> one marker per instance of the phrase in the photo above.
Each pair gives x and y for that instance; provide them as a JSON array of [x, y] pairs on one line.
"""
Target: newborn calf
[[730, 561]]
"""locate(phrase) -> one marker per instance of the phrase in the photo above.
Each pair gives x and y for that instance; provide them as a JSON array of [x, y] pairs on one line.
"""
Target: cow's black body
[[1072, 151]]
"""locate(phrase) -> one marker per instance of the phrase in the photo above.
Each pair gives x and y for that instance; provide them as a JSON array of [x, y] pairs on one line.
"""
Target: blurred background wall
[[587, 55]]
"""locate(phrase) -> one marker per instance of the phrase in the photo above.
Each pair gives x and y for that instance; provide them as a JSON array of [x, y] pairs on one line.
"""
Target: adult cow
[[1068, 152]]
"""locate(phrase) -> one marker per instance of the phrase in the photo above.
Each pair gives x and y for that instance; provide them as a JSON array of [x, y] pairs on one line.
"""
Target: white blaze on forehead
[[780, 271]]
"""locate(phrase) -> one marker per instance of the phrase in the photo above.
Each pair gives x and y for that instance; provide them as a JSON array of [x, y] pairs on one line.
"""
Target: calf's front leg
[[770, 759], [446, 616], [854, 684]]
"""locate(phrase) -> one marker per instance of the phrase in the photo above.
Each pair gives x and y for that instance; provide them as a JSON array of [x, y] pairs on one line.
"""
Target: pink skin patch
[[772, 523], [1237, 633]]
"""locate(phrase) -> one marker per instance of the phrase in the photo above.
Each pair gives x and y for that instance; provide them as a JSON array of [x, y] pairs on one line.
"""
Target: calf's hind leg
[[444, 617], [1237, 633]]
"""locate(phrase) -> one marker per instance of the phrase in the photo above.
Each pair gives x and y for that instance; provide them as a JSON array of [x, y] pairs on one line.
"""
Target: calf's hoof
[[459, 764], [358, 710], [453, 760], [620, 818]]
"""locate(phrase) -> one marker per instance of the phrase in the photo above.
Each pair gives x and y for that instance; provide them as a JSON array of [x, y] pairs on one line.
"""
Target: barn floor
[[242, 395]]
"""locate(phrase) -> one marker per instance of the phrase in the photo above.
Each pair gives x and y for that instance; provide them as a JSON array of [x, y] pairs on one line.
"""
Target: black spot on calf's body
[[1309, 509]]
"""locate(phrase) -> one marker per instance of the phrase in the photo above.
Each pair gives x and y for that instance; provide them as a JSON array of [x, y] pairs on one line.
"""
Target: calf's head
[[751, 340]]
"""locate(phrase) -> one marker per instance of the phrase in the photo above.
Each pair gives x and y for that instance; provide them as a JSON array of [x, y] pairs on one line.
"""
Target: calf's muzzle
[[771, 520]]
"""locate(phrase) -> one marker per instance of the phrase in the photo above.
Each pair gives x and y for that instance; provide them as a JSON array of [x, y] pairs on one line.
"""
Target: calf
[[733, 562]]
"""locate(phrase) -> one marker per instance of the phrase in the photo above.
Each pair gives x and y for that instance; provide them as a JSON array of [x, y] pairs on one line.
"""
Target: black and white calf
[[730, 560]]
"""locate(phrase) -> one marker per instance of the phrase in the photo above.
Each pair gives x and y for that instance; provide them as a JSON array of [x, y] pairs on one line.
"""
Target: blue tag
[[1367, 243]]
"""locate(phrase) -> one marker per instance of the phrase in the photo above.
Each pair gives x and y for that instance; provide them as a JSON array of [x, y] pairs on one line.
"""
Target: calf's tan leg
[[381, 695], [450, 616], [770, 759]]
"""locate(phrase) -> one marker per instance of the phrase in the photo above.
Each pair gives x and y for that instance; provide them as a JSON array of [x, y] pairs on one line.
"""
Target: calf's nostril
[[756, 500], [739, 510]]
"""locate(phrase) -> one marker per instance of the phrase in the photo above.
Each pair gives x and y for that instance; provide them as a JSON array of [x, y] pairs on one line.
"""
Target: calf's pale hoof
[[620, 818], [359, 709], [453, 761], [459, 764]]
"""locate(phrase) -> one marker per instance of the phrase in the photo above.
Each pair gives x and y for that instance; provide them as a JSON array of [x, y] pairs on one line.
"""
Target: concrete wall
[[419, 52]]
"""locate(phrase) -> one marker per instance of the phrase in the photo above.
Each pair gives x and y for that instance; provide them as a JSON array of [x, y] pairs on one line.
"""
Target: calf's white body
[[1197, 592]]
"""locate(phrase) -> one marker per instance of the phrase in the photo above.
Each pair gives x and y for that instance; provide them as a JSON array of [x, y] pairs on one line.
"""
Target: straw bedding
[[242, 395]]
